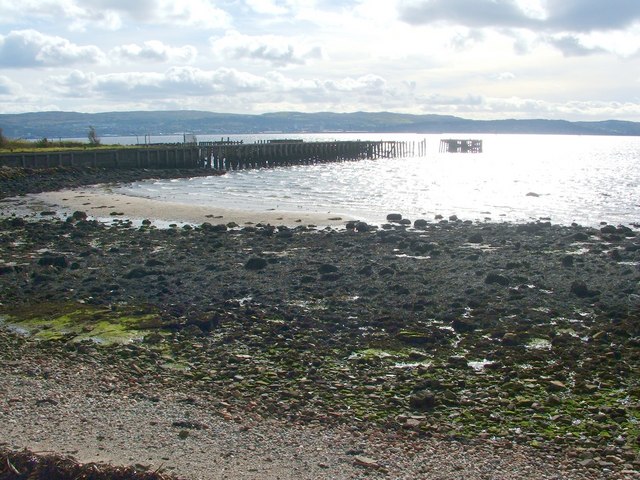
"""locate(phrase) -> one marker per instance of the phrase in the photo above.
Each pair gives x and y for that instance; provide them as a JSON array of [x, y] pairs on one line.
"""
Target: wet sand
[[99, 202]]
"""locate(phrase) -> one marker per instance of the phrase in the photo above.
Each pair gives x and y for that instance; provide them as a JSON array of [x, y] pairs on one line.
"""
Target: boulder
[[462, 325], [78, 215], [327, 268], [6, 269], [422, 400], [496, 278], [420, 223], [256, 263], [475, 238], [394, 217], [511, 339], [580, 289], [138, 272], [362, 227], [49, 260]]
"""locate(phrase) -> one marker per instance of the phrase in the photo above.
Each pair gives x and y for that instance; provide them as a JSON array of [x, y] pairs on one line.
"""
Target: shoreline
[[98, 202], [343, 353]]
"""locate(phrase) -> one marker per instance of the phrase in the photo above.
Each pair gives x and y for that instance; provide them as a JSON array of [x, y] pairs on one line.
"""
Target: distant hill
[[76, 125]]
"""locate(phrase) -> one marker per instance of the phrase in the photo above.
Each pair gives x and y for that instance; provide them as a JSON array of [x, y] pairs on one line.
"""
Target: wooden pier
[[453, 145], [222, 155], [281, 153]]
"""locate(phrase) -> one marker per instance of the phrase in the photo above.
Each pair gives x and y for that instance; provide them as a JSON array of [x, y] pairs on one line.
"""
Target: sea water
[[517, 178]]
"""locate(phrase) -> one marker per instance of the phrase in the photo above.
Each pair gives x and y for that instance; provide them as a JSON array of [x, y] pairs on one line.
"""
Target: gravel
[[69, 403]]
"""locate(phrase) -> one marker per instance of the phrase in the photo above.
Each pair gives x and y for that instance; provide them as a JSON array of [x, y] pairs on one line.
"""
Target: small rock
[[6, 269], [463, 325], [58, 261], [366, 462], [608, 229], [327, 268], [422, 400], [412, 423], [556, 386], [256, 263], [137, 272], [420, 223], [475, 238], [394, 217], [580, 289], [362, 227], [496, 278], [510, 338]]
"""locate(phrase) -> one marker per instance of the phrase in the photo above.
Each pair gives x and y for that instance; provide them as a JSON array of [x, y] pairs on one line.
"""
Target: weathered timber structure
[[452, 145], [277, 153], [223, 155], [155, 157]]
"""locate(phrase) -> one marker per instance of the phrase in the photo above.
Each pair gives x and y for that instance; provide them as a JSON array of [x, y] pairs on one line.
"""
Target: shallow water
[[564, 179]]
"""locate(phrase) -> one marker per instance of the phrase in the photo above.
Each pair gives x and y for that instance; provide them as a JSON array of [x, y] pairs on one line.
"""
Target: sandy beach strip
[[101, 203]]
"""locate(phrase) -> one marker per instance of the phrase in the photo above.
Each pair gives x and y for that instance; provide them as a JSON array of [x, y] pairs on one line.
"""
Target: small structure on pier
[[454, 145], [190, 139]]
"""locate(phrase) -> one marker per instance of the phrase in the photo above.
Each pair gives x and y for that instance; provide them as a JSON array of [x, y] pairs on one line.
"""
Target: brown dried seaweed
[[26, 465]]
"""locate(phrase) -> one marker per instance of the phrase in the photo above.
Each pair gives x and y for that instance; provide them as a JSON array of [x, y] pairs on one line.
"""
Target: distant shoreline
[[67, 124]]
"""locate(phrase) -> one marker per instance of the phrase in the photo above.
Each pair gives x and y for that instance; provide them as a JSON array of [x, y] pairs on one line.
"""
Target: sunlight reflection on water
[[582, 179]]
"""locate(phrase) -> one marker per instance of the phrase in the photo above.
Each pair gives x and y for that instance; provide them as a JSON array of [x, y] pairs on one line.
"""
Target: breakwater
[[222, 155]]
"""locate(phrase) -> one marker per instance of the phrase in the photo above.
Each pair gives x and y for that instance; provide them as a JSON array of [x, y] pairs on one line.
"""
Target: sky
[[478, 59]]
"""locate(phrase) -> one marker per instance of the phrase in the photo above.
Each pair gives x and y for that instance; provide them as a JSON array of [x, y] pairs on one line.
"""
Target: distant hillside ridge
[[54, 125]]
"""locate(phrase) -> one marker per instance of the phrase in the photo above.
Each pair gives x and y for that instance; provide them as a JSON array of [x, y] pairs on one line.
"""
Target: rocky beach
[[421, 348]]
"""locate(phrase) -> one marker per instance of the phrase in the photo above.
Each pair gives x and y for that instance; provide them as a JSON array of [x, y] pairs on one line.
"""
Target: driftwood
[[26, 465]]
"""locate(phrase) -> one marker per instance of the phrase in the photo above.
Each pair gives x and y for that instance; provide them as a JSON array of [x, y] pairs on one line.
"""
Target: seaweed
[[24, 464]]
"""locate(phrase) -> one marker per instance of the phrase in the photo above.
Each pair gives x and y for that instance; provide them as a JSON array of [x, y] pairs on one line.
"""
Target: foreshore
[[99, 203], [276, 349]]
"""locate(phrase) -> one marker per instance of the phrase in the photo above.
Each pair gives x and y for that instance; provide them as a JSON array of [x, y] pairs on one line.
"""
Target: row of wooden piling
[[235, 156], [223, 155]]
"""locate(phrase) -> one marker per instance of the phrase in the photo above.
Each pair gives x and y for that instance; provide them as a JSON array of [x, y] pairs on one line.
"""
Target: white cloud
[[155, 51], [273, 49], [8, 86], [30, 48], [505, 76], [476, 58], [269, 7], [552, 15], [181, 82], [562, 23], [115, 14], [571, 46], [177, 81]]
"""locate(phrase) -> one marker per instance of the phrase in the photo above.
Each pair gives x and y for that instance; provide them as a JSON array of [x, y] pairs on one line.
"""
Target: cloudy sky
[[570, 59]]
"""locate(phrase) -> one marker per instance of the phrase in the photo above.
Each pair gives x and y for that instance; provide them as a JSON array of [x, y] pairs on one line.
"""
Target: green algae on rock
[[79, 323]]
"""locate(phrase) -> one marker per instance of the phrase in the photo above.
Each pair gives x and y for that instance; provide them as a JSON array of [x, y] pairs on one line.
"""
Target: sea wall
[[166, 157]]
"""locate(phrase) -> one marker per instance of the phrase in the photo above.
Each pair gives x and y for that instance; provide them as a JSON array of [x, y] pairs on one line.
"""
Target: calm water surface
[[582, 179]]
